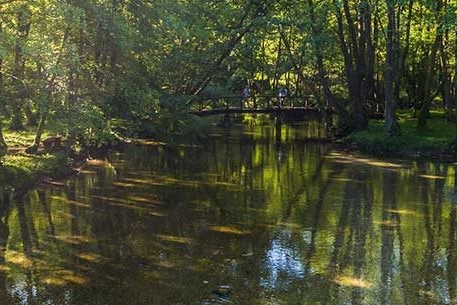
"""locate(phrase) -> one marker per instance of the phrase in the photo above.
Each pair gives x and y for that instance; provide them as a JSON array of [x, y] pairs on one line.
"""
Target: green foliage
[[20, 170], [91, 126], [438, 140], [115, 58]]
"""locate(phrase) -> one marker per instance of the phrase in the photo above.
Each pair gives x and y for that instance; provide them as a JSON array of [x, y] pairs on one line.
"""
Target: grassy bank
[[438, 141], [20, 170]]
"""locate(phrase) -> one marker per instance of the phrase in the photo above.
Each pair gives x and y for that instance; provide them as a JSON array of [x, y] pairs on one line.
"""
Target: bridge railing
[[254, 102]]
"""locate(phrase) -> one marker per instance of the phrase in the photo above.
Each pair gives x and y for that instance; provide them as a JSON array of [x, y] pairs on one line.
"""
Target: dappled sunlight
[[99, 162], [345, 180], [149, 142], [157, 214], [433, 177], [146, 200], [228, 230], [349, 159], [387, 223], [64, 277], [87, 172], [19, 259], [290, 225], [74, 239], [175, 239], [164, 181], [177, 225], [72, 202], [123, 184], [352, 282], [56, 183], [130, 204], [404, 212], [90, 257]]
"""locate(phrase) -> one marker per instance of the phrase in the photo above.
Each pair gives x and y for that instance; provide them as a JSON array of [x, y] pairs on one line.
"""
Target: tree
[[23, 29], [391, 125], [431, 67]]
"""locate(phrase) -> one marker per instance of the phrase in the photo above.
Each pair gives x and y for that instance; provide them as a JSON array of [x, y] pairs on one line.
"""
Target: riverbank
[[437, 142], [21, 170]]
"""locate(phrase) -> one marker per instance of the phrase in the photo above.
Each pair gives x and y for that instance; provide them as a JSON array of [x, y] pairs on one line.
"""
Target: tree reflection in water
[[151, 225]]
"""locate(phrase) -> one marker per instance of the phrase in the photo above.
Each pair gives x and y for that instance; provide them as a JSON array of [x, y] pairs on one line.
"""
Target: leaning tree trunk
[[391, 125]]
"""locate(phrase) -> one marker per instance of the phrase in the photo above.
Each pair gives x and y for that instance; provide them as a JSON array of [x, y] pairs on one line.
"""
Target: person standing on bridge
[[245, 93], [245, 96], [282, 95]]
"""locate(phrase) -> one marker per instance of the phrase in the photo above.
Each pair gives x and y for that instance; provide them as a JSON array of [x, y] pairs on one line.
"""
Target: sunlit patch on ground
[[19, 259], [176, 239], [352, 282], [4, 268], [228, 230]]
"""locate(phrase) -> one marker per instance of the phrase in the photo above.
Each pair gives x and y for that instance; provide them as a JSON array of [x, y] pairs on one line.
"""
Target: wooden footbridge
[[293, 105]]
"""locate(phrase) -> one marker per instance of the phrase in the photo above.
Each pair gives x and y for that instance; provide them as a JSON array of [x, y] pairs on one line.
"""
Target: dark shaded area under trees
[[92, 71]]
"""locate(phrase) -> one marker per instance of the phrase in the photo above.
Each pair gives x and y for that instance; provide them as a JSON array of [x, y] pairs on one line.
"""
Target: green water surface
[[271, 214]]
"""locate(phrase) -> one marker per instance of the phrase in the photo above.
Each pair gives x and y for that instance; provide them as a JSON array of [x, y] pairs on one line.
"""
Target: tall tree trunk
[[371, 36], [427, 93], [322, 72], [23, 27], [354, 62], [50, 97], [454, 81], [403, 51], [3, 146], [446, 78], [391, 125]]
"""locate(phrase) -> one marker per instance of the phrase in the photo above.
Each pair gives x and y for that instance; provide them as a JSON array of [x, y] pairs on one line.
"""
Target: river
[[258, 215]]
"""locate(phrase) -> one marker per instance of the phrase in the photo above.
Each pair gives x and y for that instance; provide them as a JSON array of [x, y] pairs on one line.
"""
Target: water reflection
[[276, 218]]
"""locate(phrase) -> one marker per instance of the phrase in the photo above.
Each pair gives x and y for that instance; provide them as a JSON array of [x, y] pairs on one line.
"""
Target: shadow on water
[[257, 215]]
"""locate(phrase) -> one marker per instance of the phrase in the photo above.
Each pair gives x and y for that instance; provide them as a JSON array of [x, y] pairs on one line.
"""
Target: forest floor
[[438, 141]]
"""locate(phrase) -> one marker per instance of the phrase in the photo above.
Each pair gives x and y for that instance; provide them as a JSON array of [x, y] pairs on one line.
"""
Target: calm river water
[[259, 215]]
